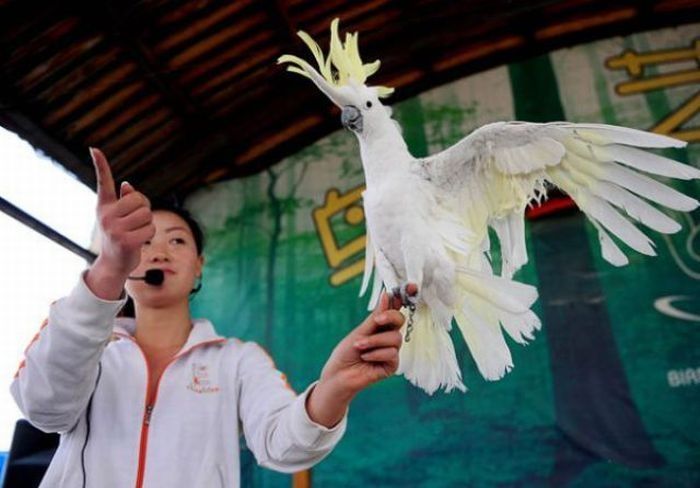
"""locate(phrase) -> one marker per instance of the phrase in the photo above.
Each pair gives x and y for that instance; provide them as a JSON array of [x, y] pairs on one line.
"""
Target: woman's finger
[[382, 339], [137, 237], [136, 219], [130, 202], [383, 355], [103, 175]]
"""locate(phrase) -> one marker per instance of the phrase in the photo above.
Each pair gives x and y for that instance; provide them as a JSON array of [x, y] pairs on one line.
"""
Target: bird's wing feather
[[500, 168], [370, 269]]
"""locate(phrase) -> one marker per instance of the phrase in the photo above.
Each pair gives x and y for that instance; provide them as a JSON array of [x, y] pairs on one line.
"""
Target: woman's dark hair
[[184, 214]]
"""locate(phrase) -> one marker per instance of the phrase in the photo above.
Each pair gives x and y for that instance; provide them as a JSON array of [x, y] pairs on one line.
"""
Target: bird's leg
[[414, 261], [408, 292]]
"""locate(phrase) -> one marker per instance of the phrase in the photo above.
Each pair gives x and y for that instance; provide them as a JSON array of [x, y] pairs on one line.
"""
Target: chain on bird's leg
[[409, 322]]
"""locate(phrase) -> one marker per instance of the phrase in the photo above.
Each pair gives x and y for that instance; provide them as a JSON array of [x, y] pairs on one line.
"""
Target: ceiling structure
[[180, 94]]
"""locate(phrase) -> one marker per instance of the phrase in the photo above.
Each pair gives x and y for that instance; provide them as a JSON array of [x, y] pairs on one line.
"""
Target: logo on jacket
[[200, 382]]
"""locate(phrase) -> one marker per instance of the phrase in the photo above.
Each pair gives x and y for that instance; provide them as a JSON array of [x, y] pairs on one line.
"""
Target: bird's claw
[[407, 300]]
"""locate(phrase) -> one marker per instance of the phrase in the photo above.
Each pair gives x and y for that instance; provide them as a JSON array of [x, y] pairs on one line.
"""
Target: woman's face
[[172, 250]]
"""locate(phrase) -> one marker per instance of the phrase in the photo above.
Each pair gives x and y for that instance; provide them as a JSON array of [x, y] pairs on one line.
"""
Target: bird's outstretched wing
[[500, 168]]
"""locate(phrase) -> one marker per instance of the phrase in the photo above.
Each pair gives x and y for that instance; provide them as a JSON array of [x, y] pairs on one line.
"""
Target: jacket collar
[[202, 331]]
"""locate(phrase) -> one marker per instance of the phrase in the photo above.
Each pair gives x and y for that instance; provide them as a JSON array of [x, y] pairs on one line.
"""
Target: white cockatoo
[[428, 218]]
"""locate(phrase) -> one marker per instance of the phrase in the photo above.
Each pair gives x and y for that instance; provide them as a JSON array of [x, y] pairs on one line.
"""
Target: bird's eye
[[369, 104]]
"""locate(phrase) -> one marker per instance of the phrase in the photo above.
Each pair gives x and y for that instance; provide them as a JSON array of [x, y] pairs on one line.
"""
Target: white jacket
[[213, 391]]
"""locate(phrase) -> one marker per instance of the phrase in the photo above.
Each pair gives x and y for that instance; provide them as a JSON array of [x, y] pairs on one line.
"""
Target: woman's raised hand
[[125, 223]]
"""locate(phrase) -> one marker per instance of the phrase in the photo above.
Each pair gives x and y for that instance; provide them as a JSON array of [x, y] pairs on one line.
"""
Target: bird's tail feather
[[428, 360], [487, 304]]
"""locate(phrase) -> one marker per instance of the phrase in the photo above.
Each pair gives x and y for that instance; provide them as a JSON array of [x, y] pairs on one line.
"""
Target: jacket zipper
[[143, 444], [148, 411], [147, 417], [150, 404]]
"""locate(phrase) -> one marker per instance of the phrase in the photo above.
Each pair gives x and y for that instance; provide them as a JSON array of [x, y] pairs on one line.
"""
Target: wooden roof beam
[[278, 12], [115, 23]]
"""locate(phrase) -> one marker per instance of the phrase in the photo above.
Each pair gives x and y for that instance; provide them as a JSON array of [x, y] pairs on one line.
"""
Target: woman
[[161, 400]]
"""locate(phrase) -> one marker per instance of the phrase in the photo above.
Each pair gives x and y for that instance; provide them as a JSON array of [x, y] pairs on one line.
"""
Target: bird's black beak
[[351, 118]]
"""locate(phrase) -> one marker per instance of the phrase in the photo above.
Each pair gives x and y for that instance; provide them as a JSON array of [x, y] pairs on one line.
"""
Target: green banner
[[609, 392]]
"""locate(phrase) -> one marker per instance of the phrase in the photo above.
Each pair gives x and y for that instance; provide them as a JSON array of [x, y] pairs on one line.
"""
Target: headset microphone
[[153, 277]]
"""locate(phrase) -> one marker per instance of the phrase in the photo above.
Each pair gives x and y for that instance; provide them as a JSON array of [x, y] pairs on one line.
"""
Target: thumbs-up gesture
[[125, 223]]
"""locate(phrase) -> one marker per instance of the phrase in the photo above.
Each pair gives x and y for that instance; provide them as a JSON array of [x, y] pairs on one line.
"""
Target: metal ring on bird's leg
[[409, 322]]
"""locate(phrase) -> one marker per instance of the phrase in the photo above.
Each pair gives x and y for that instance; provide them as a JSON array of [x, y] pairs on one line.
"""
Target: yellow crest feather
[[342, 64]]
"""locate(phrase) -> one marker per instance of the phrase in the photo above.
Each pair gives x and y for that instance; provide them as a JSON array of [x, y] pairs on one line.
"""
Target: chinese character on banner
[[635, 63], [640, 81], [340, 256]]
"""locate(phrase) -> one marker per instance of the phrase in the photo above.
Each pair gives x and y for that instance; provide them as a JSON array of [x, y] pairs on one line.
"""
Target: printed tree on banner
[[593, 404], [248, 242], [281, 203]]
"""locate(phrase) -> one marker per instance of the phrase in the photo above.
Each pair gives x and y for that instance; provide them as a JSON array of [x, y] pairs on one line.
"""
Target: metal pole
[[45, 230]]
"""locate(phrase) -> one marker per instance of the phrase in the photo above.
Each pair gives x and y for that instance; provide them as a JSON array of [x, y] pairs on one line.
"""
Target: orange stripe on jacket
[[282, 375], [23, 362]]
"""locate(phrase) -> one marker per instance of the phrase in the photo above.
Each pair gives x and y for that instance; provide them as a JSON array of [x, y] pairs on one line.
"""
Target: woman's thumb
[[125, 188]]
